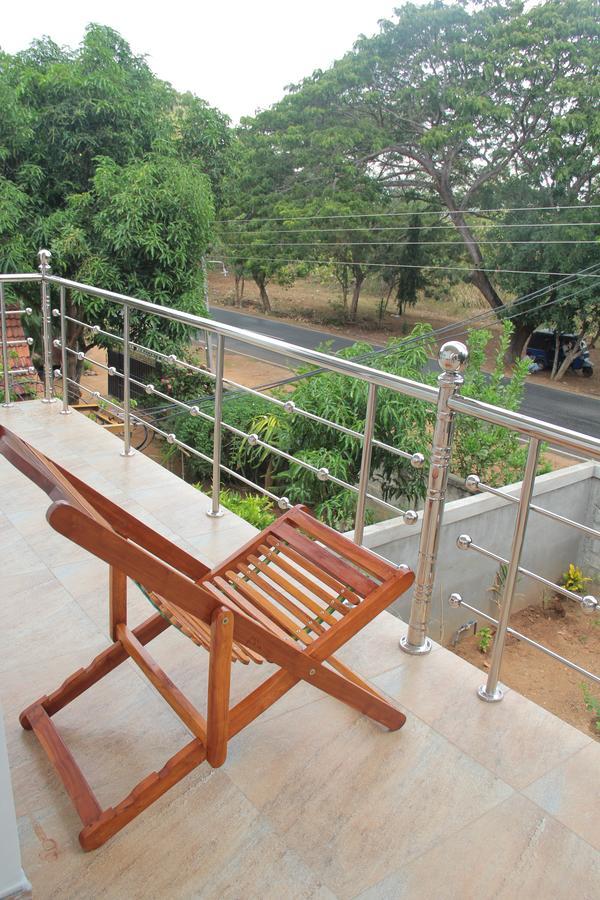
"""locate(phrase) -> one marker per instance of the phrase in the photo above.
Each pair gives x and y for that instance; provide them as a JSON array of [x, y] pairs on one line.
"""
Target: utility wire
[[437, 212], [456, 243], [418, 227], [451, 327], [380, 265], [169, 413]]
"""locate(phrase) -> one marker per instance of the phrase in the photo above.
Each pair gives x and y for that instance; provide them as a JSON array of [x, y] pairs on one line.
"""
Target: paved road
[[573, 411]]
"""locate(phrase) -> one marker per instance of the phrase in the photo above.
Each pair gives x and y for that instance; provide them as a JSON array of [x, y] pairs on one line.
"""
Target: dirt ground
[[312, 303], [576, 636]]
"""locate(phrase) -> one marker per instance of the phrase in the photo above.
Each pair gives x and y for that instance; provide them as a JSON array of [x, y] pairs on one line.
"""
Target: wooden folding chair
[[293, 595]]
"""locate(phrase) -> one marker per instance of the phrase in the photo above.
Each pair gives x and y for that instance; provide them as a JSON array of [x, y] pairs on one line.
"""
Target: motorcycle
[[542, 348]]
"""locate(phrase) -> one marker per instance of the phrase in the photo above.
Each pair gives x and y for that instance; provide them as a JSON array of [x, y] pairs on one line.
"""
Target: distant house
[[27, 384]]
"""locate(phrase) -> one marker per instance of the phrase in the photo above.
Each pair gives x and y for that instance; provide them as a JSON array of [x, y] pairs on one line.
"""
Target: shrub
[[256, 509]]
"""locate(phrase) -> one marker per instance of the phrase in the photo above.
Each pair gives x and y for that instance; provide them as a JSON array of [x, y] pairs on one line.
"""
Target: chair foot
[[24, 717], [112, 820]]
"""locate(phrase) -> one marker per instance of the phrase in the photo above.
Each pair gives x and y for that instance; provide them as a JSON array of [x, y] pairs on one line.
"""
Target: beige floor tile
[[571, 792], [171, 850], [264, 869], [376, 649], [19, 558], [314, 800], [514, 852], [50, 624], [338, 788], [515, 738], [24, 581]]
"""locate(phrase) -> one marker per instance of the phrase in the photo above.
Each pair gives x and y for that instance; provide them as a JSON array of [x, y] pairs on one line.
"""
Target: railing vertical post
[[365, 464], [5, 358], [452, 358], [126, 451], [215, 511], [491, 692], [63, 352], [44, 257]]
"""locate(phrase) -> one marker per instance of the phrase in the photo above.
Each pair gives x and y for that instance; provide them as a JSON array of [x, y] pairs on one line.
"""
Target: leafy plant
[[574, 579], [592, 704], [256, 509], [485, 639]]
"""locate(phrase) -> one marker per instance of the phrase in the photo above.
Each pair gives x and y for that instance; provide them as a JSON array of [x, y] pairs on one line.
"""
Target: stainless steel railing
[[446, 398]]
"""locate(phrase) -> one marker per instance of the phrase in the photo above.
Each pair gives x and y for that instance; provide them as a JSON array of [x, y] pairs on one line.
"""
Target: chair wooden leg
[[142, 796], [117, 600], [62, 759], [219, 681]]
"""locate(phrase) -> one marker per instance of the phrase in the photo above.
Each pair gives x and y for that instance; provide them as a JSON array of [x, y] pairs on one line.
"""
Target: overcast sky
[[236, 54]]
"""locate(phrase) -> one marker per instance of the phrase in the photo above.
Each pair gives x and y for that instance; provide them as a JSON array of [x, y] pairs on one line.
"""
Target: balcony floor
[[468, 800]]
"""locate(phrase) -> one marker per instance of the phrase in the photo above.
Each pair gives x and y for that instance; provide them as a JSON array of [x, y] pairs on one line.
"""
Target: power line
[[437, 212], [170, 413], [493, 225], [451, 327], [382, 265], [456, 243]]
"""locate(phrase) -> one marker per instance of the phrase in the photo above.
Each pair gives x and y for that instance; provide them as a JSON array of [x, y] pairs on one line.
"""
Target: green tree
[[114, 171], [448, 101]]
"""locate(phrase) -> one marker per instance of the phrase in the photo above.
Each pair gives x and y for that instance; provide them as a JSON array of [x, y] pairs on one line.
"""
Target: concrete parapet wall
[[549, 546]]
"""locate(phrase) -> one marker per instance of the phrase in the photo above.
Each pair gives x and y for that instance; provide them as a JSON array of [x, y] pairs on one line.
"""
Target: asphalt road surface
[[575, 411]]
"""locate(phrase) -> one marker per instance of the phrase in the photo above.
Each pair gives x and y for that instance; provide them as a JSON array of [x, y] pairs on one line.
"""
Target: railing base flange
[[126, 452], [416, 649], [66, 412], [214, 515], [48, 399], [494, 697]]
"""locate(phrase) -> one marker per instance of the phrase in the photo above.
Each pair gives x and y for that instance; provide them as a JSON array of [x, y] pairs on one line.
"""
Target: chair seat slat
[[267, 572], [336, 566]]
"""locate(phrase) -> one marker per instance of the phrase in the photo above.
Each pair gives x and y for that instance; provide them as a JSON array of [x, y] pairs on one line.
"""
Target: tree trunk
[[239, 288], [359, 278], [518, 340], [480, 279], [570, 355], [261, 283], [556, 352]]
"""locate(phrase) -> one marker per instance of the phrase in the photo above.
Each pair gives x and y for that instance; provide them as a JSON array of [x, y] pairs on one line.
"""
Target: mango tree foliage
[[115, 172]]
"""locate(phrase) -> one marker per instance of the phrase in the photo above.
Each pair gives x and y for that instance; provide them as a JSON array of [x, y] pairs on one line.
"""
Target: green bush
[[256, 509], [494, 453]]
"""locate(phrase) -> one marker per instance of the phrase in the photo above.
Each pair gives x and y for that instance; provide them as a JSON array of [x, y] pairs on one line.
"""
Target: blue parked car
[[541, 349]]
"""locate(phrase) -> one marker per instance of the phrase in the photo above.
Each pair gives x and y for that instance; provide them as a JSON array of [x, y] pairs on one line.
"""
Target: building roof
[[20, 358]]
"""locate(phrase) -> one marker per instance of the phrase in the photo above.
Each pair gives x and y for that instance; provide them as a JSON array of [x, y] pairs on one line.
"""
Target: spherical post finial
[[44, 257], [453, 356]]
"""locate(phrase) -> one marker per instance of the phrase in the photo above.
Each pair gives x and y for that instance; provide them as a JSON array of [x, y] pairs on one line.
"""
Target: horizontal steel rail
[[494, 415], [527, 426], [464, 542], [406, 386], [474, 484], [15, 278], [457, 601]]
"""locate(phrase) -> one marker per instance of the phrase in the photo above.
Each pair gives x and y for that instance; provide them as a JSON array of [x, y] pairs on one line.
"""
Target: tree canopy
[[114, 171], [455, 107]]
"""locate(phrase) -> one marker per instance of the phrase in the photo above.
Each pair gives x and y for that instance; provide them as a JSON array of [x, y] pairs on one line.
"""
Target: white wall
[[549, 546], [12, 878]]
